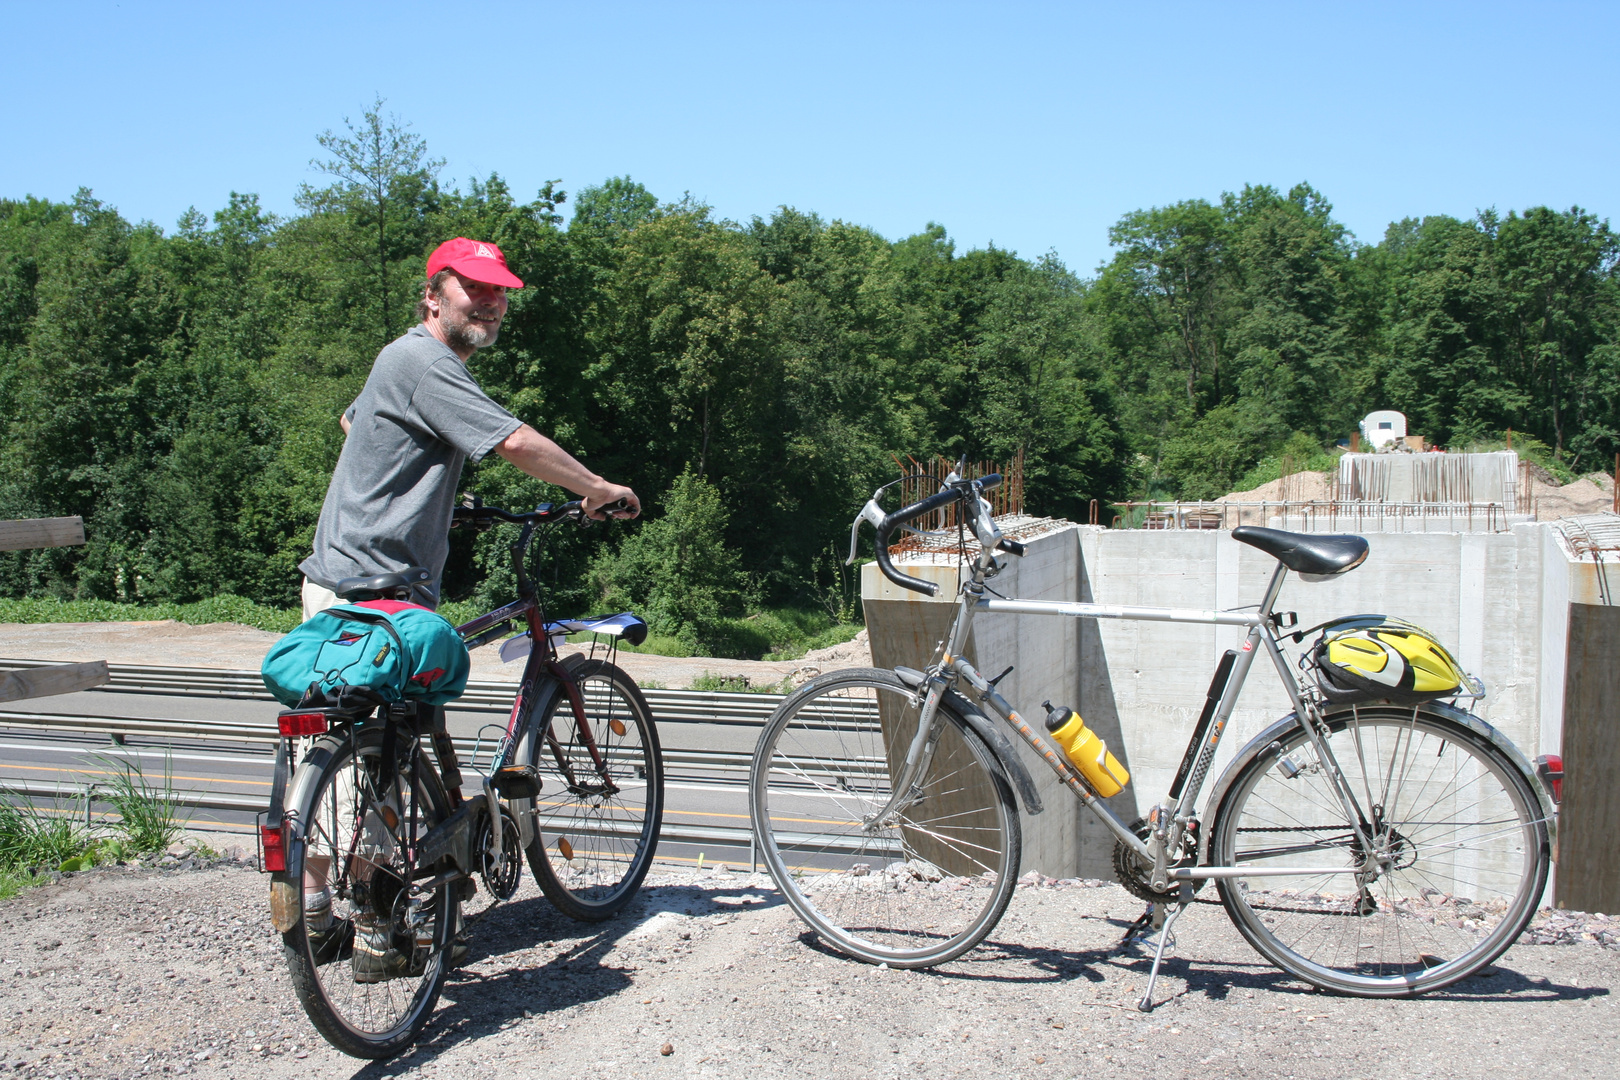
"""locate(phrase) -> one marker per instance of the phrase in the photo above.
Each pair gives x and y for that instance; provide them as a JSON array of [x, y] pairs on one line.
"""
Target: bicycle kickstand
[[1183, 899]]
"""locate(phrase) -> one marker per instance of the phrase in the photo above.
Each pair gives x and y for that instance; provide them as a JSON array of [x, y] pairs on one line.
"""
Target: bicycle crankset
[[1137, 877]]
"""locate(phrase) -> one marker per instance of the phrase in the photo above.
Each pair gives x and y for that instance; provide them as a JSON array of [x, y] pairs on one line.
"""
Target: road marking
[[108, 772], [123, 751]]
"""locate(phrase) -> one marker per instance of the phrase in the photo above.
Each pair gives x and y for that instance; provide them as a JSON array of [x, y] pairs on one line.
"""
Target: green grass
[[146, 810], [32, 838], [783, 633], [35, 840], [13, 882], [219, 609], [738, 684]]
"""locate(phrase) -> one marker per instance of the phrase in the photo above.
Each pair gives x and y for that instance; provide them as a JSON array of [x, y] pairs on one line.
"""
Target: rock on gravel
[[126, 973]]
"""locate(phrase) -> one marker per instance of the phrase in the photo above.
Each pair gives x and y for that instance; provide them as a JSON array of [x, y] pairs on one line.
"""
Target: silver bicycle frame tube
[[1261, 631], [1260, 634]]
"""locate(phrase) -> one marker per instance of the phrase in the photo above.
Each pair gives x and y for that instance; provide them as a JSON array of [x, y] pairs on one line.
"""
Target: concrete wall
[[1500, 601], [906, 628], [1591, 763]]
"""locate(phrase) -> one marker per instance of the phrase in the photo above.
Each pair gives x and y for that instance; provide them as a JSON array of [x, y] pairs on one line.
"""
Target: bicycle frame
[[541, 664], [1180, 807]]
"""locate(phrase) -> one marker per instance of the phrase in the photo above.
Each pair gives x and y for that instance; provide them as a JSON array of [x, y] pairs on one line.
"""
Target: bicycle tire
[[881, 894], [342, 821], [595, 834], [1458, 820]]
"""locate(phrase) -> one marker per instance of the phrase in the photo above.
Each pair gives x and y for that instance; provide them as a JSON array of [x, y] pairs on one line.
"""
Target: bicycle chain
[[1130, 875]]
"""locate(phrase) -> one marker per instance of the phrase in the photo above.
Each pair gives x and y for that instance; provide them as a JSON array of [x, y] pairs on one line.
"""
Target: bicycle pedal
[[1141, 928], [517, 781]]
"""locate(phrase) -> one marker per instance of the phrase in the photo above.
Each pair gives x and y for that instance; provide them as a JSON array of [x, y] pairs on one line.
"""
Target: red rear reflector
[[1550, 767], [275, 848], [303, 723]]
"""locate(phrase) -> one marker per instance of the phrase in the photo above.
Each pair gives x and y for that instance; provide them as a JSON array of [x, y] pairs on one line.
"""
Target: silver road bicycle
[[1369, 848]]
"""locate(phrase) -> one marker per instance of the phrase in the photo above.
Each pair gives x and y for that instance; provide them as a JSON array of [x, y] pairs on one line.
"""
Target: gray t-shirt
[[419, 418]]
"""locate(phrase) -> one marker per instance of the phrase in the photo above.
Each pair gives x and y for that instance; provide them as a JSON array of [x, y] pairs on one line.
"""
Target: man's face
[[470, 312]]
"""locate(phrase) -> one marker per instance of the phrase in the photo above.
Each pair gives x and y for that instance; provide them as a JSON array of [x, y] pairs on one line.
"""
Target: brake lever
[[870, 512]]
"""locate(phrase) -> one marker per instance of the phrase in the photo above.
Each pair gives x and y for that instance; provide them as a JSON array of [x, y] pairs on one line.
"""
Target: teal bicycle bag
[[396, 649]]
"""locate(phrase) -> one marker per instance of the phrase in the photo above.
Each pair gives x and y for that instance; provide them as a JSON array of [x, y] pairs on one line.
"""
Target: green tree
[[677, 569], [386, 188]]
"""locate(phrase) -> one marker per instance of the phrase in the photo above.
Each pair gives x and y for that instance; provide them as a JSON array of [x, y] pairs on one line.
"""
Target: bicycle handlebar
[[887, 523], [544, 514]]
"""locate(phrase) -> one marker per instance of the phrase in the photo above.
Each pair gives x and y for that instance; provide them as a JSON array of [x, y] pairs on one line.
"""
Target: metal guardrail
[[209, 800], [668, 706]]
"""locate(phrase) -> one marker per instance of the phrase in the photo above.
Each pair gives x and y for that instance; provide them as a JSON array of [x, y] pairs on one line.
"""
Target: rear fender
[[994, 737], [1290, 723]]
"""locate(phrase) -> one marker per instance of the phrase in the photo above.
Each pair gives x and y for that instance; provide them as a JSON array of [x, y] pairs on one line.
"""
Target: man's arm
[[540, 457], [343, 420]]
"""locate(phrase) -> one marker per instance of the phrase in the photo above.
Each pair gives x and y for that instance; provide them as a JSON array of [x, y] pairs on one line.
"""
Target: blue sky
[[1033, 126]]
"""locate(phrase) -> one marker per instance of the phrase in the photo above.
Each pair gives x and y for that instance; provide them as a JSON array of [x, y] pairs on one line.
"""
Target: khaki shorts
[[317, 598]]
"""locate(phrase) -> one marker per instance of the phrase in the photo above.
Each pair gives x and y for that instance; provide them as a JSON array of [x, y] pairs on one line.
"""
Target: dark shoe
[[375, 959], [332, 944], [329, 939]]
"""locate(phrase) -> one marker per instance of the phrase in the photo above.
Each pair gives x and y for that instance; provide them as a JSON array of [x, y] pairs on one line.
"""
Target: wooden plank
[[45, 681], [1588, 847], [27, 533]]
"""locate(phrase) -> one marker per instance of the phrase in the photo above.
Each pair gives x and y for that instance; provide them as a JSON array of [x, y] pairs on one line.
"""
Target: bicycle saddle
[[383, 585], [1314, 558]]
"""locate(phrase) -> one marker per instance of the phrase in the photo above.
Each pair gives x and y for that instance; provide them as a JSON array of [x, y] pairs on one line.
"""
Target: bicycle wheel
[[1458, 838], [369, 970], [598, 814], [918, 888]]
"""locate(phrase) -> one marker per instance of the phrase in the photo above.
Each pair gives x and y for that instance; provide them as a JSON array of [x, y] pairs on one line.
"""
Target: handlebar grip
[[898, 518], [990, 480], [1012, 547]]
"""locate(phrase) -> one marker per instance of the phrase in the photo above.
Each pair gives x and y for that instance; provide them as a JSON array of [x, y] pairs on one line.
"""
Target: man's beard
[[466, 334]]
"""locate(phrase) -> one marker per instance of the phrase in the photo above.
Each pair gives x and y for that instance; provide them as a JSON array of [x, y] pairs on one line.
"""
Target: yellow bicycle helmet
[[1368, 657]]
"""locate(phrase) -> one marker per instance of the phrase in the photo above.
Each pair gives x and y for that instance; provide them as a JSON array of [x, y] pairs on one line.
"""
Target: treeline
[[752, 381]]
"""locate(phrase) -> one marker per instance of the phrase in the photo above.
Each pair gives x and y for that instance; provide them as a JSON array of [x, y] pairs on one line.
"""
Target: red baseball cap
[[473, 259]]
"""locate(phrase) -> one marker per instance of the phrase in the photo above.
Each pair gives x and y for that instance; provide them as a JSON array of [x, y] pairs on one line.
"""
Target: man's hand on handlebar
[[614, 500]]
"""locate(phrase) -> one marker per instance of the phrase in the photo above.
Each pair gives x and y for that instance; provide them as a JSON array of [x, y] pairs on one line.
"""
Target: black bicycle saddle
[[395, 586], [1306, 554]]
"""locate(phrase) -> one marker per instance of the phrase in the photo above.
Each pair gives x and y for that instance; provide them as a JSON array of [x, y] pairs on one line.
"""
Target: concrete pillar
[[907, 628]]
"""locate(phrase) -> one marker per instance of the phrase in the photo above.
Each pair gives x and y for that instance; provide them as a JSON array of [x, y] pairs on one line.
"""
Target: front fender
[[994, 737], [523, 809]]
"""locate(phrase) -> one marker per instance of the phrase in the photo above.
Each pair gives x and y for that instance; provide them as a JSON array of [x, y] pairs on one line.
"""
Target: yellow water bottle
[[1085, 750]]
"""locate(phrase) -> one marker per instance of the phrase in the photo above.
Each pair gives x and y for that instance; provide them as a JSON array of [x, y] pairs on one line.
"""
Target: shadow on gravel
[[1004, 962], [479, 1003], [1498, 983], [1009, 963]]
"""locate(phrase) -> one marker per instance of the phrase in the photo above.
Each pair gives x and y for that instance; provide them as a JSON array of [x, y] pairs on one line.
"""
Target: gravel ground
[[131, 972]]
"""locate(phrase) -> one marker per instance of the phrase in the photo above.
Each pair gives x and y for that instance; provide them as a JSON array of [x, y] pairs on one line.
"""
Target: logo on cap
[[482, 251]]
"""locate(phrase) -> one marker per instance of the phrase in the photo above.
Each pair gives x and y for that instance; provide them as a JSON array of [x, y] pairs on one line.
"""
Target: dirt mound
[[856, 652], [1581, 497], [1295, 487]]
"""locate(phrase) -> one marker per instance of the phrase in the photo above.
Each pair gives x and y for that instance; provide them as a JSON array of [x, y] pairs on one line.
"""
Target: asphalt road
[[696, 797]]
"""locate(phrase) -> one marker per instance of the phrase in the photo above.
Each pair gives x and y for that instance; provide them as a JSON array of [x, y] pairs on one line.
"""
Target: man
[[420, 417]]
